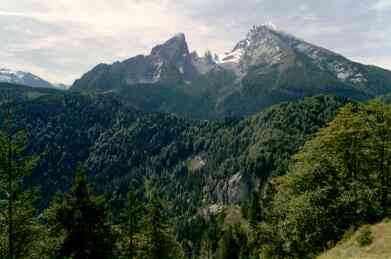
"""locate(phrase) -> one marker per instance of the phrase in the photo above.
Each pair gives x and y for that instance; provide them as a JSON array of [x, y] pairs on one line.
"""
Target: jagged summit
[[270, 25], [266, 27], [180, 36], [173, 48], [267, 46], [263, 45], [267, 66], [168, 62]]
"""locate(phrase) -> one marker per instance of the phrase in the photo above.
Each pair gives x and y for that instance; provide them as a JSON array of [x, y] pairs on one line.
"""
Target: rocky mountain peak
[[173, 49], [266, 46], [263, 45], [265, 51], [259, 31]]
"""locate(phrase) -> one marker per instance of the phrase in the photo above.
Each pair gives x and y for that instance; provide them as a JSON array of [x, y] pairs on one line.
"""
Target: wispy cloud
[[382, 5], [5, 13]]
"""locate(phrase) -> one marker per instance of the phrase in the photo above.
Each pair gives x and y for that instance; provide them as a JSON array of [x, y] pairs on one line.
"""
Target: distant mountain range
[[267, 67], [27, 79]]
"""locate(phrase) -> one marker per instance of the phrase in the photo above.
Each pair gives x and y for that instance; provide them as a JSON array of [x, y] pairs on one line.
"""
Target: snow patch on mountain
[[232, 57], [347, 73], [264, 49], [158, 71], [204, 64], [22, 78], [267, 46]]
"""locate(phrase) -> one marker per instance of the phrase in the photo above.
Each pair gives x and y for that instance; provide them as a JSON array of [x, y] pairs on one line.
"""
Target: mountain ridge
[[24, 78], [167, 62], [267, 67]]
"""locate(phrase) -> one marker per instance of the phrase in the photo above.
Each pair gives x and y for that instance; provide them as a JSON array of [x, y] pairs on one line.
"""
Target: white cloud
[[380, 61], [382, 5]]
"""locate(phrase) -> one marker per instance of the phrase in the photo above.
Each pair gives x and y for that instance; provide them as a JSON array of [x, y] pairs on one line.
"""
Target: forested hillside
[[119, 145], [341, 180], [285, 183]]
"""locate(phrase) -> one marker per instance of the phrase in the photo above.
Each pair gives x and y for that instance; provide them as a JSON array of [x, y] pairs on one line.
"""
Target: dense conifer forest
[[84, 176]]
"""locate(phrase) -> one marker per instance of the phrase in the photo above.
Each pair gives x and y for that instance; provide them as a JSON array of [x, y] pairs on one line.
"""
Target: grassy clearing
[[350, 248]]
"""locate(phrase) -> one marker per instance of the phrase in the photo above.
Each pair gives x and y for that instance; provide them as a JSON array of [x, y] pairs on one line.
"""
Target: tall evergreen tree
[[255, 209], [211, 235], [228, 245], [160, 241], [18, 224], [81, 220], [131, 218]]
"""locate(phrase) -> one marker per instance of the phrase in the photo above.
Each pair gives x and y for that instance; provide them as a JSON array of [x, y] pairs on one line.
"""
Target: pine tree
[[81, 220], [228, 247], [255, 210], [161, 243], [18, 223], [212, 235], [132, 223]]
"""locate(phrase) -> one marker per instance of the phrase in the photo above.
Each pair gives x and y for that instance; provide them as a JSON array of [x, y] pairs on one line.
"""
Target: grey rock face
[[267, 67], [267, 46], [168, 62]]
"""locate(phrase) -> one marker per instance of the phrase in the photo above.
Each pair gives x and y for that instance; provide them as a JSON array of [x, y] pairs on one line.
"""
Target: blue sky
[[60, 40]]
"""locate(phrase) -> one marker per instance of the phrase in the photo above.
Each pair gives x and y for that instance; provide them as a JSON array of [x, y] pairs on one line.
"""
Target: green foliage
[[80, 222], [233, 244], [131, 225], [341, 178], [365, 237], [120, 147], [255, 214], [19, 227], [160, 241]]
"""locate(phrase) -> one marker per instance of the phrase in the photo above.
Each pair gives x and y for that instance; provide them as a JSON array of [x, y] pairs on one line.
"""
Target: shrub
[[365, 237]]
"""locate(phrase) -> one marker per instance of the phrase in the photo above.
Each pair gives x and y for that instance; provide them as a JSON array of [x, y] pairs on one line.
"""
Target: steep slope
[[349, 248], [275, 66], [265, 47], [269, 66], [120, 145], [23, 78], [221, 161], [170, 62], [199, 167]]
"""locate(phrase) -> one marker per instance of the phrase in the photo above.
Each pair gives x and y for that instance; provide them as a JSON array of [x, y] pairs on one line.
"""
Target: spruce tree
[[160, 241], [228, 247], [131, 222], [18, 223], [255, 209], [211, 236], [81, 221]]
